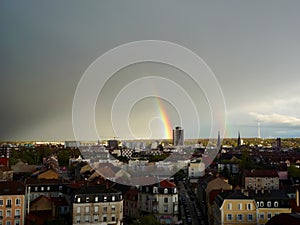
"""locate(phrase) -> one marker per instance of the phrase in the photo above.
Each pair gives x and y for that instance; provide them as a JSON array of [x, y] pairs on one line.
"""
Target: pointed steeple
[[239, 139]]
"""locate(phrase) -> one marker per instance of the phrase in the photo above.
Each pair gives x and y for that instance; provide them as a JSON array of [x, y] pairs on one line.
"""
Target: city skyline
[[251, 47]]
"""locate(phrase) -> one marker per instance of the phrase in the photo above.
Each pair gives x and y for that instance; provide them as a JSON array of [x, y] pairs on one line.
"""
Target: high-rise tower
[[178, 138]]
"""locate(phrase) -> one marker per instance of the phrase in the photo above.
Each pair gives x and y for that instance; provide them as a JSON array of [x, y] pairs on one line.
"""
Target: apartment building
[[233, 207], [261, 179], [97, 205], [161, 200], [12, 203]]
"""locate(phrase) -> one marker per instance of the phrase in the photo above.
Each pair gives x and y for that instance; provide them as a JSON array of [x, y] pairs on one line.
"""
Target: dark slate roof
[[229, 195], [12, 188], [261, 173]]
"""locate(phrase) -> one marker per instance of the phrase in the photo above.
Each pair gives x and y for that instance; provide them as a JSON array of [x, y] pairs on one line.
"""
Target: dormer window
[[261, 204], [78, 199], [96, 199], [276, 204], [165, 191], [113, 198], [105, 198], [175, 190], [269, 204], [155, 190], [87, 199]]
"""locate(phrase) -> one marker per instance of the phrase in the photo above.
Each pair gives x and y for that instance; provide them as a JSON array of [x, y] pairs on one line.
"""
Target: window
[[36, 188], [261, 204], [113, 218], [105, 198], [8, 203], [113, 198], [165, 208], [229, 206], [78, 199], [60, 188], [87, 209], [165, 191], [269, 204], [249, 206], [229, 217], [17, 222], [8, 213], [87, 199], [240, 206], [239, 217], [104, 218], [175, 190], [77, 219], [269, 215], [250, 217], [78, 210], [155, 190], [17, 212], [113, 208], [87, 218], [165, 200], [1, 202], [104, 209], [8, 222], [262, 216], [18, 201], [276, 204], [96, 218], [42, 188], [96, 208], [48, 188]]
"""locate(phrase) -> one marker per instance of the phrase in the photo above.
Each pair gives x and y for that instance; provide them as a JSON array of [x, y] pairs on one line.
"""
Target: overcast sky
[[252, 47]]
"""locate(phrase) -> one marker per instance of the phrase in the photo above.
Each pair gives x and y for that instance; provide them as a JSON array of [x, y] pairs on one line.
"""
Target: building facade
[[234, 208], [261, 179], [12, 203], [97, 205], [178, 136], [161, 200]]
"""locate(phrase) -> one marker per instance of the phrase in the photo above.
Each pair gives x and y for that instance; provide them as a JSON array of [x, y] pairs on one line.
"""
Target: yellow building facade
[[12, 203]]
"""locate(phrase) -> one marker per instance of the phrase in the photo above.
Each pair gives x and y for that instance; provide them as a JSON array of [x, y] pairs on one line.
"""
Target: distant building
[[72, 144], [161, 200], [178, 136], [97, 205], [196, 169], [4, 155], [112, 144], [12, 203], [261, 179]]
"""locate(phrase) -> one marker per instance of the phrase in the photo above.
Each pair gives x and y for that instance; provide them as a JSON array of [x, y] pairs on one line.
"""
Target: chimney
[[297, 197]]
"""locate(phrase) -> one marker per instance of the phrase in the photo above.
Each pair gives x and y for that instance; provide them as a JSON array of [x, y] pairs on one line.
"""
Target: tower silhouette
[[239, 140]]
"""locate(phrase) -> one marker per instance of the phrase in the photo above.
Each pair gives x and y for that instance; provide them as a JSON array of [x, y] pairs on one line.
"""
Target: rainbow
[[165, 119]]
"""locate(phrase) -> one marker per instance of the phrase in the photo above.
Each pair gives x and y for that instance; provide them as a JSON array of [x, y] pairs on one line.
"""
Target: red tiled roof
[[166, 184]]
